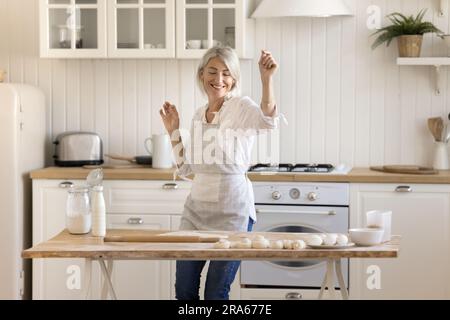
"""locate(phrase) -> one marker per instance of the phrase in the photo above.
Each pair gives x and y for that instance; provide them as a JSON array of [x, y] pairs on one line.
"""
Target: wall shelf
[[436, 62]]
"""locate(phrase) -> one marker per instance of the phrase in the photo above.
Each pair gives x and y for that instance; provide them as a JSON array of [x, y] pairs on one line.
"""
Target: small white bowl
[[366, 236]]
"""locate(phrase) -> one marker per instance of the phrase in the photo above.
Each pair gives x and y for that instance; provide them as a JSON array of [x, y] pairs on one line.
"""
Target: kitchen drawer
[[136, 221], [146, 197]]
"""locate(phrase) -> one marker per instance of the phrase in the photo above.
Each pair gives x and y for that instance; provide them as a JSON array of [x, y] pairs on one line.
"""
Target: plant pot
[[409, 46]]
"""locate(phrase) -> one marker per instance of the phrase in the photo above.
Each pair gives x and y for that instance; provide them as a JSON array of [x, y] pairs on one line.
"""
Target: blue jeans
[[220, 276]]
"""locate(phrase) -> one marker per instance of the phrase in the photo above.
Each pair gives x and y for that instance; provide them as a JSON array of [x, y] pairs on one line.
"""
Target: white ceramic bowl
[[366, 236]]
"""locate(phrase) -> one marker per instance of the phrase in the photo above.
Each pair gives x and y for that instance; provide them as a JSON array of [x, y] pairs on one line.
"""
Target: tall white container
[[380, 219], [98, 212]]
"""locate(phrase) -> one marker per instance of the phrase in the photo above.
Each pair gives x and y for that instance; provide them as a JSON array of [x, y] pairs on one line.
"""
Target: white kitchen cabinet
[[129, 205], [73, 28], [50, 276], [150, 205], [144, 28], [141, 28], [421, 215], [202, 24], [141, 279]]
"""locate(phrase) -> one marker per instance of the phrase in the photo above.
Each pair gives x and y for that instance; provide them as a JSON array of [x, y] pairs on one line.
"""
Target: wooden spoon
[[433, 126]]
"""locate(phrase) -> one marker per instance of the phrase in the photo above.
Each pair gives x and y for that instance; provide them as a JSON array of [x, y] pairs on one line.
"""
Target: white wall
[[344, 102]]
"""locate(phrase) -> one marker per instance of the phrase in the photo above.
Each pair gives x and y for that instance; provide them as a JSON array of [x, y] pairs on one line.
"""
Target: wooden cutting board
[[405, 169], [118, 235]]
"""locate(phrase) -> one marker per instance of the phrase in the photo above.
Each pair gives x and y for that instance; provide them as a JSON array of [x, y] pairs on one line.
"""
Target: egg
[[342, 239], [314, 240], [222, 244], [298, 244], [330, 239], [260, 244], [276, 244]]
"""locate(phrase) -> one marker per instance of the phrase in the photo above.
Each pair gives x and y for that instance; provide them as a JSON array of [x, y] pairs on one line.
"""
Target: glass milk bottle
[[98, 212], [78, 215]]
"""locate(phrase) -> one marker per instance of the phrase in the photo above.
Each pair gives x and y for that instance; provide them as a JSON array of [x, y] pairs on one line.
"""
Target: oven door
[[307, 219]]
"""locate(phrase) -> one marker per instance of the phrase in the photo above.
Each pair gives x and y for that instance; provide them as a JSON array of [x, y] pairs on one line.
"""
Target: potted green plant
[[409, 32]]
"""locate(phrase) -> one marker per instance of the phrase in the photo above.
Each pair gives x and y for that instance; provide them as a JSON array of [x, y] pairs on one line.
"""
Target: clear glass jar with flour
[[78, 213]]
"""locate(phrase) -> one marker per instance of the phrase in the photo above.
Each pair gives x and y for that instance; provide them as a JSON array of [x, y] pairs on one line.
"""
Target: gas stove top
[[299, 168]]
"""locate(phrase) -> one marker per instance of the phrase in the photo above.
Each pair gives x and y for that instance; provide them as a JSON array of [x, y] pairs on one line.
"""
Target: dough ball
[[245, 243], [234, 244], [314, 240], [222, 244], [276, 244], [260, 244], [330, 239], [287, 244], [259, 238], [298, 244], [342, 239], [323, 236]]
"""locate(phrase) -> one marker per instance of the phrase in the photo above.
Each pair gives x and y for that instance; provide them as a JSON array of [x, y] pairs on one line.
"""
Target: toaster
[[76, 149]]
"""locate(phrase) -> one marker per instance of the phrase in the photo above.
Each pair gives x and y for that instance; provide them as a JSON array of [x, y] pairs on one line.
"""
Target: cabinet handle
[[293, 296], [66, 185], [135, 221], [170, 186], [403, 189]]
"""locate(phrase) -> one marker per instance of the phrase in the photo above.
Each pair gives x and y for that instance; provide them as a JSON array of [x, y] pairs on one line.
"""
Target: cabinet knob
[[403, 189], [66, 185], [170, 186], [293, 296], [135, 221]]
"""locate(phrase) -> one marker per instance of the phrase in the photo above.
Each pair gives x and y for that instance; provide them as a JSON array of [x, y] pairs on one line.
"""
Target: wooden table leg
[[107, 277], [328, 281], [105, 284], [340, 277], [87, 279]]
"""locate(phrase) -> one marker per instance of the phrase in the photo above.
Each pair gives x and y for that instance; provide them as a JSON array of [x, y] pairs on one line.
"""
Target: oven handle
[[324, 213]]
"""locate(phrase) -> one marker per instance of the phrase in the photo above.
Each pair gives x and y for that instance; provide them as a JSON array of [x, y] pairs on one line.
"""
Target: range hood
[[301, 8]]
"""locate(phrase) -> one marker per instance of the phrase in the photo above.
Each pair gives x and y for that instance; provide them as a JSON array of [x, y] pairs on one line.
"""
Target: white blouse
[[243, 118]]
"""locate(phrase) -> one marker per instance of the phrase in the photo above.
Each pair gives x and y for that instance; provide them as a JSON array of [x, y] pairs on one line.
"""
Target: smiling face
[[217, 79]]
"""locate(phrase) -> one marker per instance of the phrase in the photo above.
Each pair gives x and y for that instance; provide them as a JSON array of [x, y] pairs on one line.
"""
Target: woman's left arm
[[267, 67]]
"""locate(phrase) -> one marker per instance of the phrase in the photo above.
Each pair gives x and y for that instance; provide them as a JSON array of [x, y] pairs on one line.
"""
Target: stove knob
[[276, 195], [312, 196], [294, 193]]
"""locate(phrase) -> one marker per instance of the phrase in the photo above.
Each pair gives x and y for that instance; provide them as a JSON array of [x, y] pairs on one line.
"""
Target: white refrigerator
[[22, 149]]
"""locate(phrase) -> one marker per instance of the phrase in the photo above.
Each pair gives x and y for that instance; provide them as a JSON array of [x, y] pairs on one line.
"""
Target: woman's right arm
[[171, 120]]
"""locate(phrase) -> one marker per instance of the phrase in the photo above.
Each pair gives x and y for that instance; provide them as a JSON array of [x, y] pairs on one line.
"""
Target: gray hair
[[230, 59]]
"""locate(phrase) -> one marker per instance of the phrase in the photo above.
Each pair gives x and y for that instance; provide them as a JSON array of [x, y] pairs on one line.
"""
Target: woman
[[221, 197]]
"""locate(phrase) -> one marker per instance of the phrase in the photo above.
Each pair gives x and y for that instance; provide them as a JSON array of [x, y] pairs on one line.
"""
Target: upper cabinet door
[[202, 24], [141, 28], [73, 28]]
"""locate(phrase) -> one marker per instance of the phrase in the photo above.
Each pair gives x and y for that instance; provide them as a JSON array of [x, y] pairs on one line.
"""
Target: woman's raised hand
[[267, 65], [170, 118]]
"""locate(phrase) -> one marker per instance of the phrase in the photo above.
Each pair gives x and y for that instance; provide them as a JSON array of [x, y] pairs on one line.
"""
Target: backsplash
[[344, 102]]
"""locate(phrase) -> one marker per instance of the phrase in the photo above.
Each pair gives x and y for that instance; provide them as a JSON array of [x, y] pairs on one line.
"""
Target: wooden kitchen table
[[66, 245]]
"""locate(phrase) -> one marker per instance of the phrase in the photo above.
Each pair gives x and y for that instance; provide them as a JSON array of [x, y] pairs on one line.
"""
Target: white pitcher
[[160, 147]]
